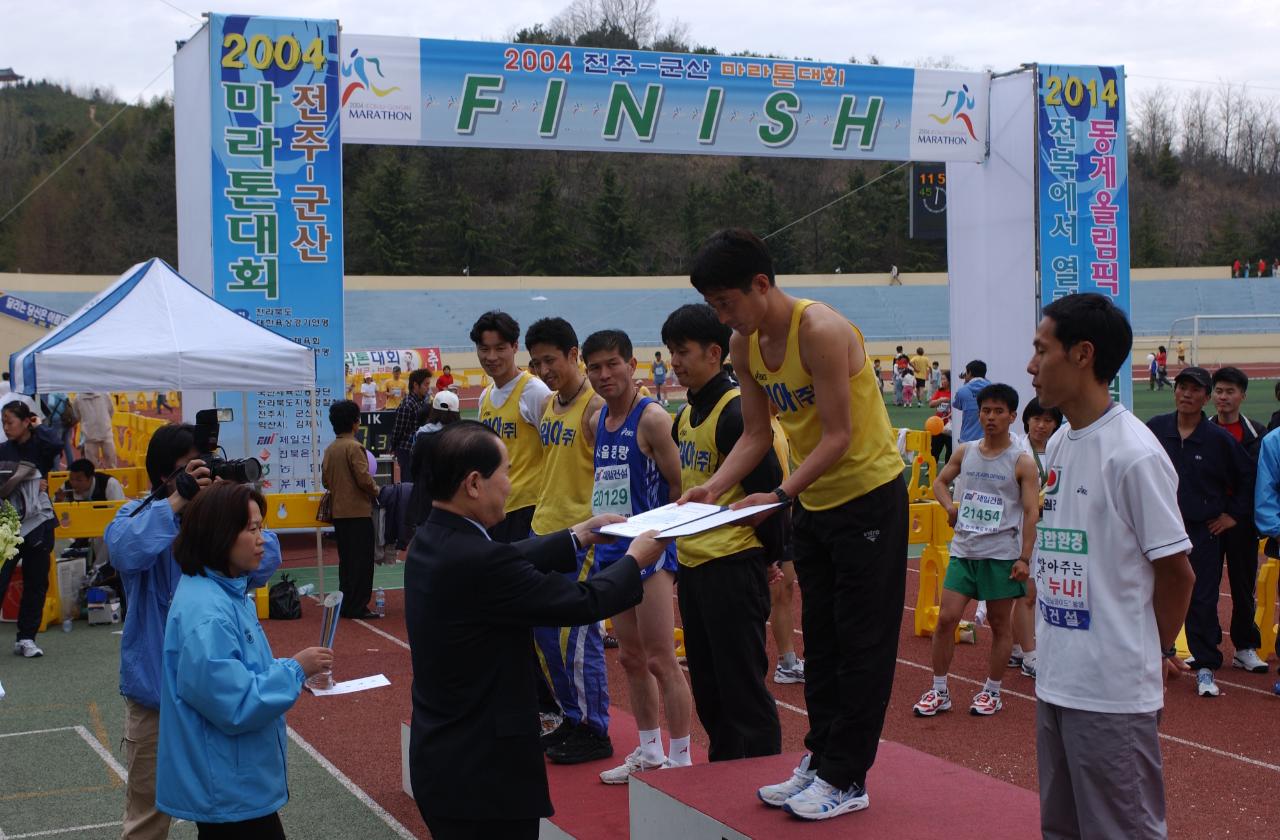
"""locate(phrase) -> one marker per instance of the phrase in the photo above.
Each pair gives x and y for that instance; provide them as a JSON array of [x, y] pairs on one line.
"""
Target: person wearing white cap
[[442, 412]]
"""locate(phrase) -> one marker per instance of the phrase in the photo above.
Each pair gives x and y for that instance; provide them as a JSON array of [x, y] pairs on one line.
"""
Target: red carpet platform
[[913, 795]]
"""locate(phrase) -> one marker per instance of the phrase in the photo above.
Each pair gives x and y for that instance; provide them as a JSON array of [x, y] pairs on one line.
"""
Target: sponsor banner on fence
[[32, 313], [525, 96], [1084, 189], [277, 217], [382, 361]]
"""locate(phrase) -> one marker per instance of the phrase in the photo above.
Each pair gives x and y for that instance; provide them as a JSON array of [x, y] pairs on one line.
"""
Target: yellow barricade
[[924, 468], [133, 479], [929, 527], [1265, 614]]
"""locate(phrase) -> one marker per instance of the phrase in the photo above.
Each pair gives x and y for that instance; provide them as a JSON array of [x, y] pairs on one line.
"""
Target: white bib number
[[612, 490], [980, 513]]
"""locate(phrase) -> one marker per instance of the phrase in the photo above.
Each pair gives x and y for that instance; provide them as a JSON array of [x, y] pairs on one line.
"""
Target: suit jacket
[[470, 606]]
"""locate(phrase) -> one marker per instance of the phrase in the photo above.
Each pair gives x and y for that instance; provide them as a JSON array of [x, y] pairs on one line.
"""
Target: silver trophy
[[332, 603]]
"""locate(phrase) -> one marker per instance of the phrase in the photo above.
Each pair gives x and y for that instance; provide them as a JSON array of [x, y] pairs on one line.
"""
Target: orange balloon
[[933, 425]]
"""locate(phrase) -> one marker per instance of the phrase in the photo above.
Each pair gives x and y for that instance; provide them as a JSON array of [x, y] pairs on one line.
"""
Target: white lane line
[[103, 753], [50, 832], [1171, 738], [790, 707], [383, 633], [382, 814], [36, 731]]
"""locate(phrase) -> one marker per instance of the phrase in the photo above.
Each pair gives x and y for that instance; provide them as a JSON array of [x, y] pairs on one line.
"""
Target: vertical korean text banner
[[1084, 189], [277, 218]]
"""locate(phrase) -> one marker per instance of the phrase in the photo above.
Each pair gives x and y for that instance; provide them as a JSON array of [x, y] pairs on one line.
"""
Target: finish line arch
[[1036, 166]]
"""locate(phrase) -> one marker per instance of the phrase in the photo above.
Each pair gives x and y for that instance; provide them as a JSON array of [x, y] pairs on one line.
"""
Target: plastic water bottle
[[380, 602], [306, 589], [66, 626]]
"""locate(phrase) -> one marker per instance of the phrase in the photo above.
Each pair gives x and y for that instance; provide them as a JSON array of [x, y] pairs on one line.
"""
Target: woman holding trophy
[[223, 695]]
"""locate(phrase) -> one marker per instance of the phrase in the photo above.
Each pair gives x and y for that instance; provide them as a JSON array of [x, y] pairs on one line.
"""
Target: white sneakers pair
[[634, 763], [807, 796]]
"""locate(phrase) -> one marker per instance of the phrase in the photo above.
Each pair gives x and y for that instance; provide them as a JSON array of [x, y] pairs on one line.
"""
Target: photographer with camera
[[140, 541]]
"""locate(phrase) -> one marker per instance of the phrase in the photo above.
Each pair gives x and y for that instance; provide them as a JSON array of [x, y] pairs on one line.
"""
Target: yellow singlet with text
[[568, 466], [524, 446]]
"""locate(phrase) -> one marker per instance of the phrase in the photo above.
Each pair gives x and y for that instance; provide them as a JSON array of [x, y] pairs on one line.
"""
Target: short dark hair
[[729, 259], [1093, 318], [1232, 376], [919, 351], [556, 332], [458, 450], [419, 376], [603, 340], [343, 416], [1035, 409], [168, 444], [81, 465], [977, 368], [999, 392], [19, 409], [211, 524], [696, 322], [507, 328], [395, 368]]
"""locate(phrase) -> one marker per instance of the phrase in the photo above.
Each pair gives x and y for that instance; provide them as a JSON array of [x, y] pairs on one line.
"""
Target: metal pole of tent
[[315, 485], [244, 422]]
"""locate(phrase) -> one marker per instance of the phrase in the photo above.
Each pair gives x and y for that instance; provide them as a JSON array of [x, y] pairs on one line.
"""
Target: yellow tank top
[[699, 459], [523, 444], [872, 458], [568, 467]]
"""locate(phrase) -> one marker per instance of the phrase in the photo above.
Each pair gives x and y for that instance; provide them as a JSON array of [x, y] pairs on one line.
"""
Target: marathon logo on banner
[[32, 313]]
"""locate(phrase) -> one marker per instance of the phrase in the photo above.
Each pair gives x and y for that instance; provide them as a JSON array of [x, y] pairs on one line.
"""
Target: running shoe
[[581, 746], [1248, 660], [775, 796], [986, 703], [821, 801], [1205, 686], [634, 763], [932, 702], [26, 648], [785, 676], [1015, 661], [1028, 669]]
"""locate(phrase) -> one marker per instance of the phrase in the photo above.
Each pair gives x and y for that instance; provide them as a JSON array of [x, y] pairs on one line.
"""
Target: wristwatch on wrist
[[1171, 652], [782, 495], [577, 543]]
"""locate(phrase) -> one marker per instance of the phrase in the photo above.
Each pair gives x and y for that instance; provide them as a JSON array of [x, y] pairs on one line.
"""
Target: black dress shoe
[[368, 614], [558, 735], [581, 746]]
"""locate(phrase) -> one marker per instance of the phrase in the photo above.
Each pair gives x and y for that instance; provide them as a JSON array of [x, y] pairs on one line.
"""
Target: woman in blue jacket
[[223, 696]]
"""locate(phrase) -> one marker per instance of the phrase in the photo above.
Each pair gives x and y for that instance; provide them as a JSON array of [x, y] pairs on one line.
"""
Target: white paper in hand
[[674, 520]]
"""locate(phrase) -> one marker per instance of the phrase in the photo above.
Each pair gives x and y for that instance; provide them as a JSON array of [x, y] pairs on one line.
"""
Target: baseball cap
[[445, 401], [1198, 375]]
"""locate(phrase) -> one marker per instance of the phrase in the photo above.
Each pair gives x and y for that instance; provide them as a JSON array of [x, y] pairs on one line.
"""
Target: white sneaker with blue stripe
[[822, 801], [776, 795]]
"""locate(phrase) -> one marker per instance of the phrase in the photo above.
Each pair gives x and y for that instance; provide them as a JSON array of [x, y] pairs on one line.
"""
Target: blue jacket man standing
[[140, 543], [966, 400], [1215, 489]]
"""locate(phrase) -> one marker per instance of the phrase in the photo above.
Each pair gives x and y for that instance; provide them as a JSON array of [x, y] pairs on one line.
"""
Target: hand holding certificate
[[676, 520]]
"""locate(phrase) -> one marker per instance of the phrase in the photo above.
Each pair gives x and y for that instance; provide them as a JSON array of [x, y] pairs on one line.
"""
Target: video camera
[[238, 470]]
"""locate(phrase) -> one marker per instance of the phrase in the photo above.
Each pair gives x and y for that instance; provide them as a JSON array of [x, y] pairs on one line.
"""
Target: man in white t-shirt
[[1113, 583]]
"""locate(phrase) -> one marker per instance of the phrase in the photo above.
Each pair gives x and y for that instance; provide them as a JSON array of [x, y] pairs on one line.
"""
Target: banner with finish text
[[523, 96], [1084, 189], [277, 219]]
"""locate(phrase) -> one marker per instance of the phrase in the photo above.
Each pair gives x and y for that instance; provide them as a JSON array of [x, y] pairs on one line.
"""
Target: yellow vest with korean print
[[568, 466], [699, 459], [872, 458], [524, 446]]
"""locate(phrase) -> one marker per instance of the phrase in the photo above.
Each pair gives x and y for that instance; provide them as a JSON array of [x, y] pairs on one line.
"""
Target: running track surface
[[1222, 759]]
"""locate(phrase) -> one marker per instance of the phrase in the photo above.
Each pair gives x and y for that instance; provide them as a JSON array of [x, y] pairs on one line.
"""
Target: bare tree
[[1155, 125], [1197, 125]]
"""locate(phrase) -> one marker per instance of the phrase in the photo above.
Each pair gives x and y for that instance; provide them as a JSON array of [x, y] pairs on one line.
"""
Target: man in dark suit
[[476, 763]]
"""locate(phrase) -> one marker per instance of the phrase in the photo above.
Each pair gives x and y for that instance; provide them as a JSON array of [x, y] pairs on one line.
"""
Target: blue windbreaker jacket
[[141, 550], [222, 703]]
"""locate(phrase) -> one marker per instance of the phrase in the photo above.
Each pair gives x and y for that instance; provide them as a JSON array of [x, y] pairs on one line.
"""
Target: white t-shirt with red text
[[1110, 511]]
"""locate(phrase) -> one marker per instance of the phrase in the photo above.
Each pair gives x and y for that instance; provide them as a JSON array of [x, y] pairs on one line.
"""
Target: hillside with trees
[[1204, 173]]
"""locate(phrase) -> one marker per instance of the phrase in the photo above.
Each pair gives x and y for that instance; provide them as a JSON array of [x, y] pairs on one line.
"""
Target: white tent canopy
[[152, 330]]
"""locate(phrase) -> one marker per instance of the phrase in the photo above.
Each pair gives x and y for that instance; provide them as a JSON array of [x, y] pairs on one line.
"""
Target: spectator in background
[[659, 376], [1235, 268], [920, 369], [61, 416], [935, 380], [1182, 353], [27, 441], [445, 380], [1240, 544], [223, 696], [1262, 268], [442, 412], [1215, 484], [966, 400], [140, 540], [901, 364], [96, 411], [875, 366], [406, 422], [941, 401], [345, 474], [4, 383], [1162, 368], [85, 484]]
